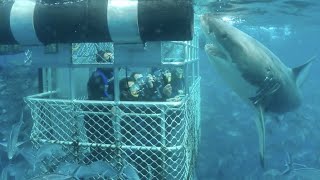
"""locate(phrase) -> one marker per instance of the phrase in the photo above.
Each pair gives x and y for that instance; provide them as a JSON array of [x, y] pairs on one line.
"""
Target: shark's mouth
[[212, 45], [215, 50], [205, 26], [209, 47], [208, 31], [210, 37]]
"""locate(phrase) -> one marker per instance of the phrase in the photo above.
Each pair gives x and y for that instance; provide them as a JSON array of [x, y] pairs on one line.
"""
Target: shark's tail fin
[[300, 73]]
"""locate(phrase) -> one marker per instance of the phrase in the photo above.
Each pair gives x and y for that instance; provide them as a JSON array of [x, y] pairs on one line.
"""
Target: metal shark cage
[[158, 139], [138, 140]]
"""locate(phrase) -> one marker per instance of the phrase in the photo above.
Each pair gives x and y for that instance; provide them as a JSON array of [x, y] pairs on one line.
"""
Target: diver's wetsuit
[[99, 126], [97, 83]]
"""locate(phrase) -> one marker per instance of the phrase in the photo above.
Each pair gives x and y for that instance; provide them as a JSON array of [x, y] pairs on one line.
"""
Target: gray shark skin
[[253, 72]]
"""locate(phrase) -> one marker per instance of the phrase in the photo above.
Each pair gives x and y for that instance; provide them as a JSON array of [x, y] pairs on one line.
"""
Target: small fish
[[307, 173], [130, 173], [17, 170], [67, 168], [300, 170], [103, 168], [48, 151], [4, 173], [93, 170], [12, 145]]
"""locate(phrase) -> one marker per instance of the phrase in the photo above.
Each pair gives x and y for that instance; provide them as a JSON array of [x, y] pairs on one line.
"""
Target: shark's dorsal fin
[[300, 73]]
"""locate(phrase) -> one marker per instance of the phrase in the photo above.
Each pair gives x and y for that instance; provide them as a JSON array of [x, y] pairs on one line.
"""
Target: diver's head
[[178, 72], [129, 88], [138, 78], [104, 56], [136, 75], [134, 89], [167, 75]]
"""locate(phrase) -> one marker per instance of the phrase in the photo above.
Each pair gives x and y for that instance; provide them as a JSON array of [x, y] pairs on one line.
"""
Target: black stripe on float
[[75, 22], [166, 20], [97, 21], [6, 37], [61, 22]]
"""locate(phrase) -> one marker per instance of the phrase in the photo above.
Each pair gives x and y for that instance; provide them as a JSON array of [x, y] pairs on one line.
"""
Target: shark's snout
[[207, 28], [204, 23], [212, 26]]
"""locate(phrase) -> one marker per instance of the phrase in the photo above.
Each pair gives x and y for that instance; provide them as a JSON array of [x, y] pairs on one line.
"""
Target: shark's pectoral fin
[[260, 123], [300, 73], [267, 88]]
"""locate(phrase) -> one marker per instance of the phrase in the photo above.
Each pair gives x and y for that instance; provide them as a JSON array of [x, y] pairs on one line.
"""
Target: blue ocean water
[[229, 141]]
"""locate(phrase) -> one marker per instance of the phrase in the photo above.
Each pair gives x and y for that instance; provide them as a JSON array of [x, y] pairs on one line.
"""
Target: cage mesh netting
[[117, 139], [159, 140]]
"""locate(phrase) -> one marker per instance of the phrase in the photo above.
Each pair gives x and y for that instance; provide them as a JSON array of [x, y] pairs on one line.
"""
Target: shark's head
[[221, 33]]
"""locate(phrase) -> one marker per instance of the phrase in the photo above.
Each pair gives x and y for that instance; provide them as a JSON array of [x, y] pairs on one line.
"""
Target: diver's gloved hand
[[181, 93], [150, 80], [176, 98], [167, 90]]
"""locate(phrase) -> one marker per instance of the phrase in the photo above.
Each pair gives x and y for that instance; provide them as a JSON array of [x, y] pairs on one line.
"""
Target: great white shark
[[253, 72]]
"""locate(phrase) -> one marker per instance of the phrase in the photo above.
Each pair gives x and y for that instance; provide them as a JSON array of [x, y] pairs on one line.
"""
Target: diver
[[99, 128], [135, 88], [130, 90], [100, 85], [177, 82], [146, 85], [162, 83]]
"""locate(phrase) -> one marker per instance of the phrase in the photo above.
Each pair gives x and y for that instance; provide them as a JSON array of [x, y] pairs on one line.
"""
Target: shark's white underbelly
[[230, 73]]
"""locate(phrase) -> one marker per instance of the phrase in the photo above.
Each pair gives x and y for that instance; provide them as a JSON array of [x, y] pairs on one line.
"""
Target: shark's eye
[[210, 30], [224, 36]]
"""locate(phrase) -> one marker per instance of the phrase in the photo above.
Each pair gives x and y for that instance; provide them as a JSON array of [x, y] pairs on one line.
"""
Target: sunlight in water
[[281, 32], [232, 20]]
